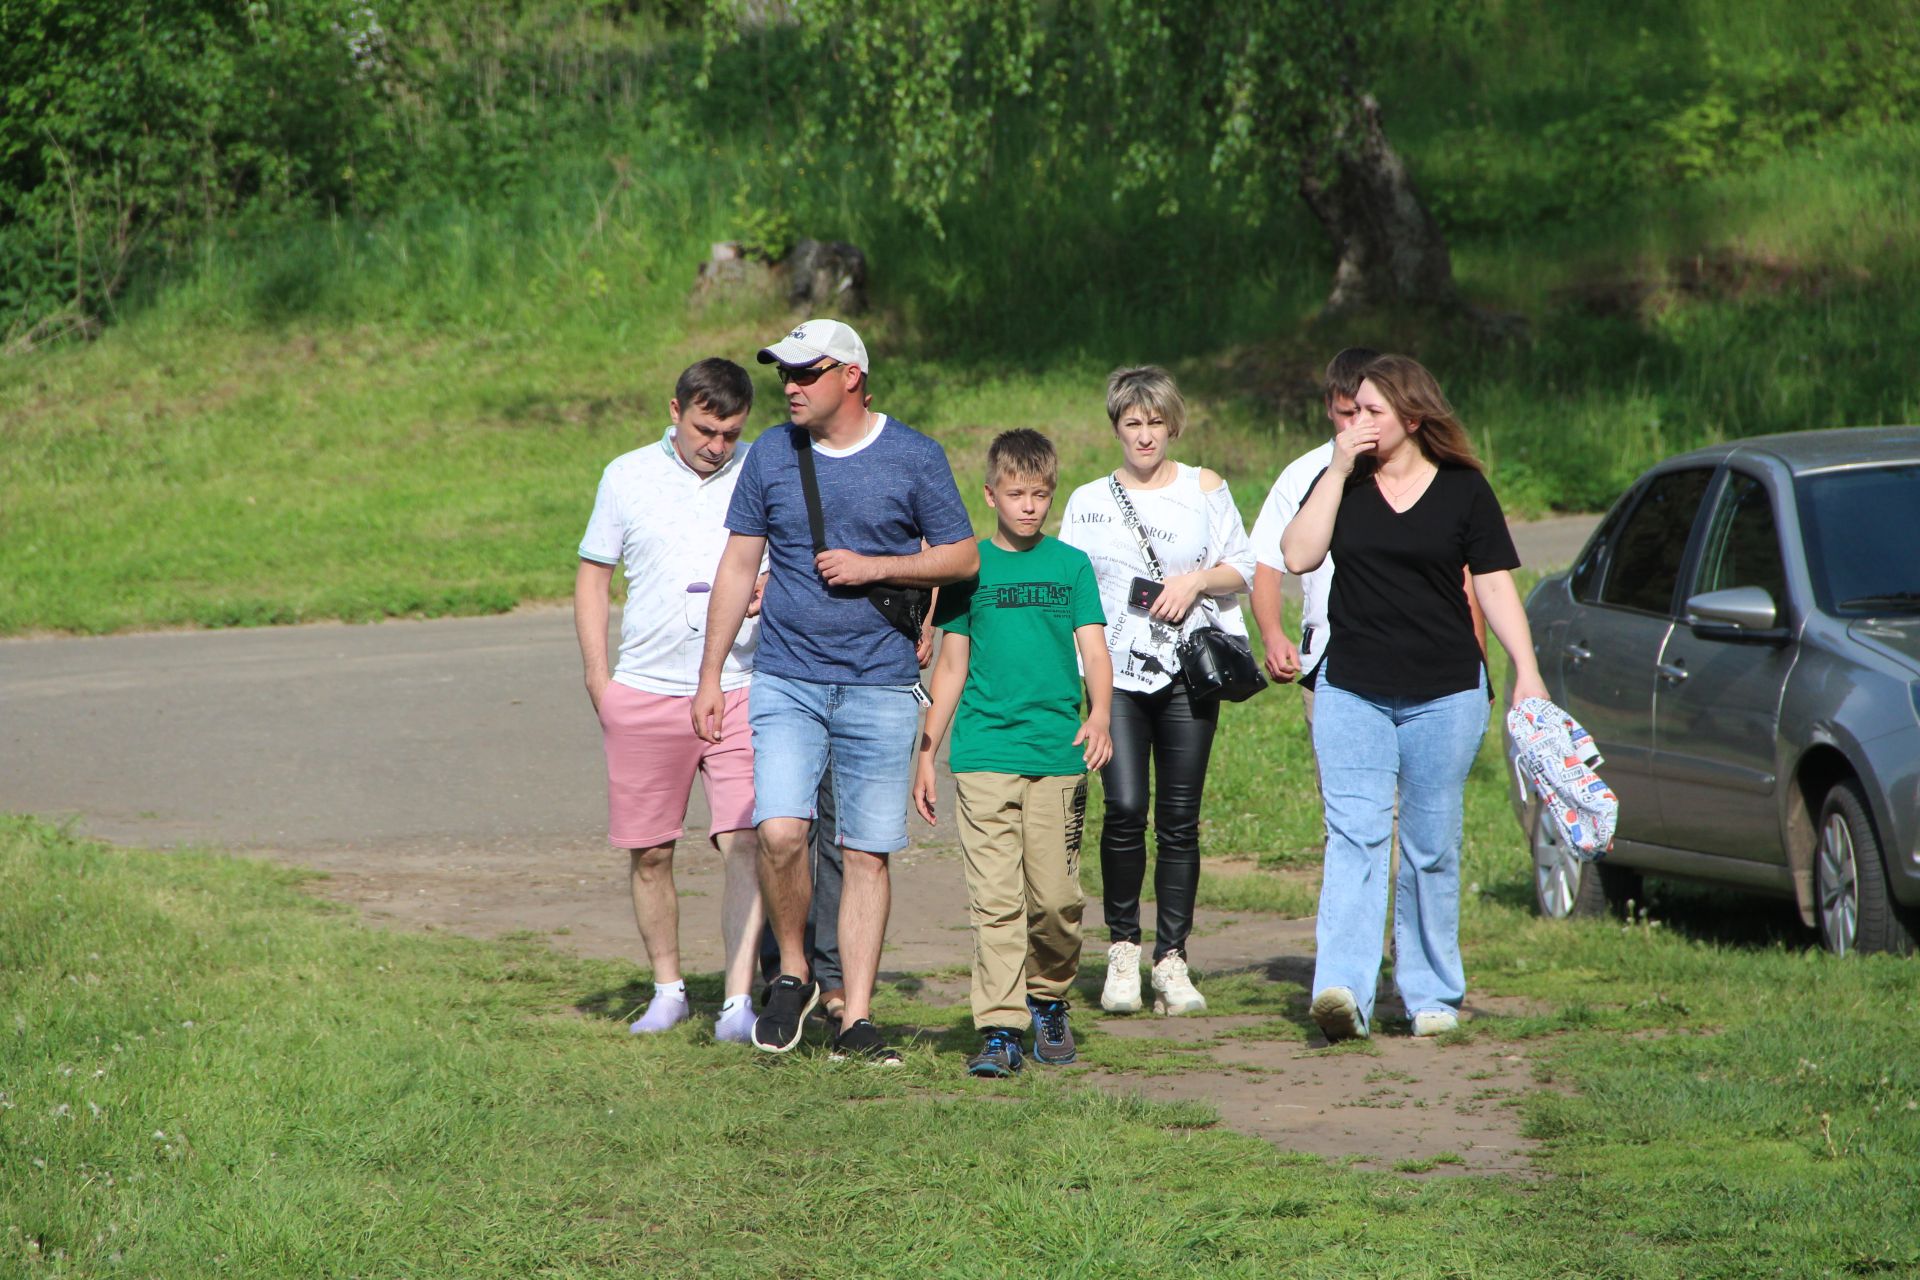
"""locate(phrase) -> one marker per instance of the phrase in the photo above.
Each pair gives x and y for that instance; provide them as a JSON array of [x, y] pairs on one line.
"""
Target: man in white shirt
[[1285, 661], [661, 512]]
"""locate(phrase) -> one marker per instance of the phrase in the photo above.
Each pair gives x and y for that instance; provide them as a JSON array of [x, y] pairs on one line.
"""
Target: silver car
[[1741, 635]]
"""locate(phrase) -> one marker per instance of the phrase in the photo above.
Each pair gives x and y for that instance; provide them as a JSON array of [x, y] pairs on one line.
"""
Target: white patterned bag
[[1556, 758]]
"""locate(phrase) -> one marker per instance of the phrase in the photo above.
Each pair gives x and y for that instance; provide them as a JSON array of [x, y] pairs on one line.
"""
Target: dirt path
[[1404, 1105]]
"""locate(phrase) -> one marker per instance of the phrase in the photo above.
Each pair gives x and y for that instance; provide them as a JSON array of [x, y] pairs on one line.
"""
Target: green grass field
[[208, 1072]]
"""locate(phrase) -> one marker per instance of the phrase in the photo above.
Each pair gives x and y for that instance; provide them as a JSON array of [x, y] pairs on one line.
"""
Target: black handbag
[[1214, 662], [903, 607], [1219, 664]]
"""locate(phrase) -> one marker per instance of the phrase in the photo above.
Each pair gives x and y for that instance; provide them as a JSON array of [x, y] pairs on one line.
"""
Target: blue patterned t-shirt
[[879, 498]]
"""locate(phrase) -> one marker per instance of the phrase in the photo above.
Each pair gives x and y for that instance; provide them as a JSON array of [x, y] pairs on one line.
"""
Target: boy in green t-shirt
[[1021, 753]]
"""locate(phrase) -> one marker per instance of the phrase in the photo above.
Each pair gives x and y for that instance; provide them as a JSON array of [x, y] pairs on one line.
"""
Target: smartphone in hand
[[1143, 593]]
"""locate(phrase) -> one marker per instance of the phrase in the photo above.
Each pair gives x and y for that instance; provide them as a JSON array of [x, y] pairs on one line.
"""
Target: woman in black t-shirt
[[1402, 704]]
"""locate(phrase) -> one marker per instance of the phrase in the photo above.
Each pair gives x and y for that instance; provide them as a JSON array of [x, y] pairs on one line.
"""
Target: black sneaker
[[787, 1002], [999, 1055], [1052, 1037], [862, 1039]]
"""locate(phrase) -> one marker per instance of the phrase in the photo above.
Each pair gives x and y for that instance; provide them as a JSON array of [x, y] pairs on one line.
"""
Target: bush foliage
[[133, 130]]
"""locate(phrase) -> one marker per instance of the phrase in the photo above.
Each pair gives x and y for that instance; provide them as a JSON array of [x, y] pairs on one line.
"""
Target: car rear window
[[1863, 551]]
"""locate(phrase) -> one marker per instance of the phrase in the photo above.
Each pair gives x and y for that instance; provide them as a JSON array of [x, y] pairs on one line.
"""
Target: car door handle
[[1579, 653], [1674, 672]]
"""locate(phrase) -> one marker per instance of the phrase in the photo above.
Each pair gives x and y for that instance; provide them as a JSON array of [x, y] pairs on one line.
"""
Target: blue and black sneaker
[[1052, 1037], [999, 1054]]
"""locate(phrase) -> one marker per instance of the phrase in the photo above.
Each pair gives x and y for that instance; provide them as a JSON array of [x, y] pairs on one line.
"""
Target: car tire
[[1566, 888], [1855, 909]]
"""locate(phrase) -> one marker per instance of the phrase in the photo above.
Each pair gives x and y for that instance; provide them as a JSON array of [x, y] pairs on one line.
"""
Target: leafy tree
[[1270, 94], [126, 124], [130, 128]]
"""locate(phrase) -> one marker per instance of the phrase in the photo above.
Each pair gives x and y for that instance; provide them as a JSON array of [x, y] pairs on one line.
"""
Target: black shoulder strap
[[1131, 518], [810, 486]]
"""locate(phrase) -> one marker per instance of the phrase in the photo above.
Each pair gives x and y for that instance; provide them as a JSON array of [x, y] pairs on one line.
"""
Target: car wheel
[[1564, 886], [1856, 911]]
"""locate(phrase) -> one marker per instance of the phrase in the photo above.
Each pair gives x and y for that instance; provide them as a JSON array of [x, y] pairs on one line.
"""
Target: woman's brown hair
[[1405, 384]]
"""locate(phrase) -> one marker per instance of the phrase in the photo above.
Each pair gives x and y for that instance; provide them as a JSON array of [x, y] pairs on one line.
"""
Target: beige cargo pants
[[1021, 839]]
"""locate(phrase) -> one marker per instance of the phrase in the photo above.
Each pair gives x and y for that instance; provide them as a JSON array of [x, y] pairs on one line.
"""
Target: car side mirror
[[1738, 613]]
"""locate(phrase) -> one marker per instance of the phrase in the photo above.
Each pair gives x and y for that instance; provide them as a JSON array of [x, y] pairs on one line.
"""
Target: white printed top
[[1190, 529]]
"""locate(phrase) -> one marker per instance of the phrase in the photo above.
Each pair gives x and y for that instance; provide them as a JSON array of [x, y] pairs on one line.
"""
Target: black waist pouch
[[904, 607]]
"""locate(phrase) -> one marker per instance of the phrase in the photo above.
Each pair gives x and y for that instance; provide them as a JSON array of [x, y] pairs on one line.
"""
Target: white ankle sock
[[676, 990], [736, 1002]]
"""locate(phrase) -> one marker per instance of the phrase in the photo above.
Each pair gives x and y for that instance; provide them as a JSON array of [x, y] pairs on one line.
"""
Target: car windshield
[[1861, 546]]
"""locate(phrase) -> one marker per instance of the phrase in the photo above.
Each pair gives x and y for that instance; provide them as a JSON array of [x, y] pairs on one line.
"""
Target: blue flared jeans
[[1371, 747]]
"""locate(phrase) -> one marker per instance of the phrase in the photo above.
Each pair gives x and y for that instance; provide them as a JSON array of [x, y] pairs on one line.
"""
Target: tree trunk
[[1390, 249]]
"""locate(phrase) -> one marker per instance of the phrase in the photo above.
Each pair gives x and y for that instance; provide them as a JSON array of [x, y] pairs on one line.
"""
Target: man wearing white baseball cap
[[817, 340], [858, 515]]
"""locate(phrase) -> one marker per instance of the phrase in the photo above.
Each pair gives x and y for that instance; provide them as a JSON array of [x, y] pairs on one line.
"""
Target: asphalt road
[[429, 737]]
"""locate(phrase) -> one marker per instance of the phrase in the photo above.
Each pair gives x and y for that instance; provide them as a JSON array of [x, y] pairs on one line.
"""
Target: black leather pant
[[1179, 735]]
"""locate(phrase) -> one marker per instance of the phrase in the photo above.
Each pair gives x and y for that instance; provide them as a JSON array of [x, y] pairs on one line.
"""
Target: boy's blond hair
[[1147, 387], [1023, 452]]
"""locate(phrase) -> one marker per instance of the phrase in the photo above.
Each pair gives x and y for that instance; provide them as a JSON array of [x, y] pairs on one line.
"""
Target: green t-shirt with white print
[[1020, 708]]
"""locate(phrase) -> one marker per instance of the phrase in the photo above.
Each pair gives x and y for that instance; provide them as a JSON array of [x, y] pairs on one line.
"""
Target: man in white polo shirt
[[1285, 661], [661, 511]]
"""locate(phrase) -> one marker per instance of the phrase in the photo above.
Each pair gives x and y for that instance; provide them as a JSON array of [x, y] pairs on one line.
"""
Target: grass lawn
[[257, 477], [208, 1072]]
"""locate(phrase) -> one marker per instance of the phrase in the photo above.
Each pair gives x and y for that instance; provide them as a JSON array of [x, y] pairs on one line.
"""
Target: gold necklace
[[1395, 494]]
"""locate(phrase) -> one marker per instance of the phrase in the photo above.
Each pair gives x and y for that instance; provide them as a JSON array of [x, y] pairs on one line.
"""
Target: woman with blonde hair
[[1403, 506], [1169, 554]]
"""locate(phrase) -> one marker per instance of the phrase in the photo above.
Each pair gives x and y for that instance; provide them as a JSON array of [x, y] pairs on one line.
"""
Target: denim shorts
[[865, 731]]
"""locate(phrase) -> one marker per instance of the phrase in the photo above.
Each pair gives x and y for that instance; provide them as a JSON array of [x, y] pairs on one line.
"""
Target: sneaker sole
[[1165, 1010], [799, 1027], [891, 1060], [1338, 1016], [992, 1073], [1430, 1031], [1120, 1006]]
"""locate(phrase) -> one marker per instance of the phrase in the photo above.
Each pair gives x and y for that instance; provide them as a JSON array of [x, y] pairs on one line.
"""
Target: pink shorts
[[652, 755]]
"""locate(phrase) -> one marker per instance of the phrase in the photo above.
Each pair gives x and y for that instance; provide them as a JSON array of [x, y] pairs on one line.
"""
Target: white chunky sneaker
[[1122, 992], [1338, 1014], [1435, 1022], [1173, 992]]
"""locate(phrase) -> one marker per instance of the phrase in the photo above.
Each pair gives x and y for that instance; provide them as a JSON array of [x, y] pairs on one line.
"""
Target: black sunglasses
[[805, 375]]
